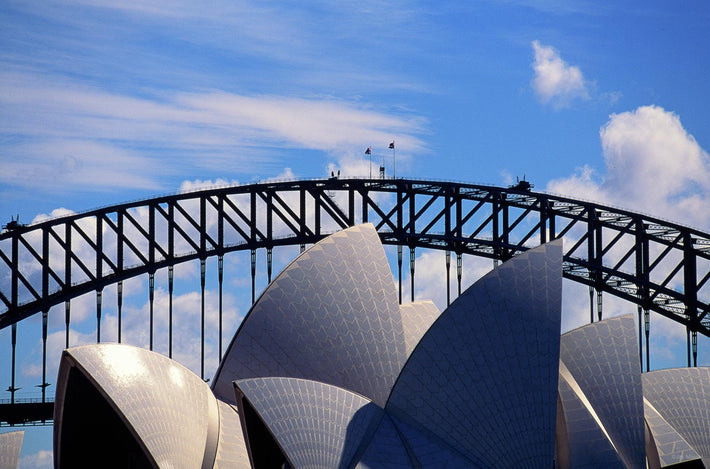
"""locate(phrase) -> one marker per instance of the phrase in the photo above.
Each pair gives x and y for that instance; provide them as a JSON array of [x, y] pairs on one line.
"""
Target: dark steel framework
[[659, 266]]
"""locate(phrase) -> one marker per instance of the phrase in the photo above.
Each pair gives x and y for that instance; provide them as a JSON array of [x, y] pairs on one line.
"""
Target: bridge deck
[[26, 412]]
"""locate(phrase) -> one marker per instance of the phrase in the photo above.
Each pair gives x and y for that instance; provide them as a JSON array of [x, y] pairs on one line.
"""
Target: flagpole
[[394, 160]]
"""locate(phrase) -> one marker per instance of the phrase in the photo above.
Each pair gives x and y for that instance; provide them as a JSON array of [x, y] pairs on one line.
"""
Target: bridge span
[[659, 266]]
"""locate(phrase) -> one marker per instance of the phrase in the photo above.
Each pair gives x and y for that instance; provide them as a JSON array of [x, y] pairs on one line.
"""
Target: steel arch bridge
[[659, 266]]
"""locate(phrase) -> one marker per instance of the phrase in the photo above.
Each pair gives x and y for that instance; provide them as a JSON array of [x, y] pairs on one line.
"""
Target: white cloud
[[56, 213], [317, 123], [581, 185], [556, 82], [656, 164], [93, 138], [653, 165], [41, 459], [199, 184]]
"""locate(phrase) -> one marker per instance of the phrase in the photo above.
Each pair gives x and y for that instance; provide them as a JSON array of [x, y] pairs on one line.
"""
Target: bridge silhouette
[[659, 266]]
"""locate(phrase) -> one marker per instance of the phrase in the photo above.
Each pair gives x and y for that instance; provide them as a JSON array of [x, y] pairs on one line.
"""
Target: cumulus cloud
[[654, 162], [652, 165], [555, 81], [581, 185]]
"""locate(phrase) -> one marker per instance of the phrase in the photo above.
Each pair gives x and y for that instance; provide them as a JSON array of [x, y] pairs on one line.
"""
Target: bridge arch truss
[[659, 266]]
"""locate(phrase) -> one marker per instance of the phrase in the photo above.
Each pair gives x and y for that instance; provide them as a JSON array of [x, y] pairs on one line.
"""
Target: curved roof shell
[[316, 425], [387, 449], [332, 315], [474, 383], [165, 414], [682, 397], [582, 439], [417, 318], [665, 447], [327, 370], [602, 358], [231, 449], [425, 449]]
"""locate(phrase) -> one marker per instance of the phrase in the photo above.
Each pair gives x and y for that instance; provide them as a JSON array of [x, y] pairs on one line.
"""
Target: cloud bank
[[101, 140]]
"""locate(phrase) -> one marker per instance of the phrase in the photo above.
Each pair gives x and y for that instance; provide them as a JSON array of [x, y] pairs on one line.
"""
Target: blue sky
[[101, 103]]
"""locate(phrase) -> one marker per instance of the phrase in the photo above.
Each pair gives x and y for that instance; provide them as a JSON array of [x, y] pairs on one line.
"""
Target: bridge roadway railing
[[659, 266], [26, 412]]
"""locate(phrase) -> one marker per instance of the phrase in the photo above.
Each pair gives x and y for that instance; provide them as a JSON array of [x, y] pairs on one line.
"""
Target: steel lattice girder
[[658, 265]]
